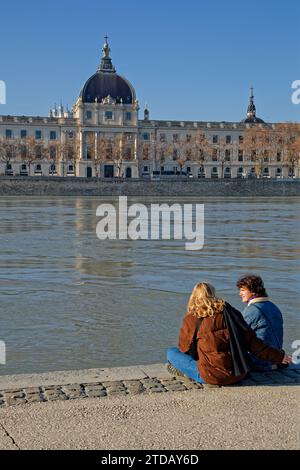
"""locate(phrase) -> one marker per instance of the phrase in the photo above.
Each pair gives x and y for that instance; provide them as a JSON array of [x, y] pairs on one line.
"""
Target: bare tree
[[258, 145], [32, 150], [224, 153], [118, 148], [100, 153], [182, 152], [294, 157], [8, 150], [53, 155], [289, 144], [141, 158], [158, 150], [70, 152], [201, 149]]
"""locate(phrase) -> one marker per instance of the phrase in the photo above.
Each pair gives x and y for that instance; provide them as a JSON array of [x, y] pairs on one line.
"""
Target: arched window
[[214, 172], [52, 169], [23, 171], [201, 172], [8, 170], [239, 172], [227, 172]]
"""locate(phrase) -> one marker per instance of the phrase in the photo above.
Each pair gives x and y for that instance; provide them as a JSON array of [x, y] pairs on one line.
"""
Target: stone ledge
[[118, 381], [73, 376]]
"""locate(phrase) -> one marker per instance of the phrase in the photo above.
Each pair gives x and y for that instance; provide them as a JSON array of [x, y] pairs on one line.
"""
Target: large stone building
[[103, 136]]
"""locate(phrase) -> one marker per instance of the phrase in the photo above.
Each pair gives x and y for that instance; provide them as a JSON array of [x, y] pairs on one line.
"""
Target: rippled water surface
[[70, 301]]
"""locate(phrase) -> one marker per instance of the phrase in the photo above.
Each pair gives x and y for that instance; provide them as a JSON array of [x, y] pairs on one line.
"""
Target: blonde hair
[[203, 301]]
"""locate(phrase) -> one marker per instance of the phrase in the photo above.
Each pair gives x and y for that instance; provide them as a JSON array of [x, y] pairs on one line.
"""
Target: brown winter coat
[[215, 363]]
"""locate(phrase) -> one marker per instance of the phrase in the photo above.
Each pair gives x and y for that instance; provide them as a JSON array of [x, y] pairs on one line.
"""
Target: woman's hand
[[287, 359]]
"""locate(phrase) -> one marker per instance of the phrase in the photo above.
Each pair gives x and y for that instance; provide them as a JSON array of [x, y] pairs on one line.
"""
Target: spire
[[106, 65], [251, 111]]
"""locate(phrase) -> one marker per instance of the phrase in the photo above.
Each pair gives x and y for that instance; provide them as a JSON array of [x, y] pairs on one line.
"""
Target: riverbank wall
[[71, 186]]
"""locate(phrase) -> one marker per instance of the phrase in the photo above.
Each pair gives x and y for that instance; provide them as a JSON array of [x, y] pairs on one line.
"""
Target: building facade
[[103, 137]]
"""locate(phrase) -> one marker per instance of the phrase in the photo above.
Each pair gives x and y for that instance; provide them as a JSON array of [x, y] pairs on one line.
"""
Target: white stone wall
[[80, 125]]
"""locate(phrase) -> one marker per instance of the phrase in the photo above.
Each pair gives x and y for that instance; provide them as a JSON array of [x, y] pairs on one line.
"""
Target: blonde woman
[[221, 339]]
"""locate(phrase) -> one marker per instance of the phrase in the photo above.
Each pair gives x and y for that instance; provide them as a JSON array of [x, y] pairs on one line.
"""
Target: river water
[[71, 301]]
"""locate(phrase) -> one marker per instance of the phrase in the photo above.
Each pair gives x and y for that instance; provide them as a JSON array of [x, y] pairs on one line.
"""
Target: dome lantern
[[106, 82], [106, 64]]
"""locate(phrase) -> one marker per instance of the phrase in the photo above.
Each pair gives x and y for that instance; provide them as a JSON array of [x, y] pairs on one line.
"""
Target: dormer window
[[128, 116], [109, 115], [88, 115]]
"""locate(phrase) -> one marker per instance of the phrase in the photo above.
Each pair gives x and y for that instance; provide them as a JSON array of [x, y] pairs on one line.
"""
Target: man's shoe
[[174, 371]]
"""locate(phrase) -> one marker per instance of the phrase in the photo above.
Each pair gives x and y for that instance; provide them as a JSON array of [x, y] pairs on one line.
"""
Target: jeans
[[184, 363]]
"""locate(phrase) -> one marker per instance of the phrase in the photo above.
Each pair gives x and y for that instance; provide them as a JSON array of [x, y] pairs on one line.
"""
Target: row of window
[[24, 170], [214, 170], [37, 168], [215, 155], [109, 115], [215, 138], [38, 134], [38, 153]]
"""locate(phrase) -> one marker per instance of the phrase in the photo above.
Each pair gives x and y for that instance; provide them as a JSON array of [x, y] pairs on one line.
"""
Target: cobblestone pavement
[[21, 396]]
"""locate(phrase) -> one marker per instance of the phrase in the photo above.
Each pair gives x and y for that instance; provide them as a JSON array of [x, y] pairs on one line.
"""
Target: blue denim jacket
[[266, 320]]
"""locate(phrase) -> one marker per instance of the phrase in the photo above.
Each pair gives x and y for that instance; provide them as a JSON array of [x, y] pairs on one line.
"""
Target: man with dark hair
[[262, 316]]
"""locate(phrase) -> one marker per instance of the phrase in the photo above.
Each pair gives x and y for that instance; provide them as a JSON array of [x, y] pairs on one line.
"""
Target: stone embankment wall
[[58, 186]]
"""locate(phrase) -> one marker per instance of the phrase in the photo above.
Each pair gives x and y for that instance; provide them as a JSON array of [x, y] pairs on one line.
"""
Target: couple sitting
[[218, 345]]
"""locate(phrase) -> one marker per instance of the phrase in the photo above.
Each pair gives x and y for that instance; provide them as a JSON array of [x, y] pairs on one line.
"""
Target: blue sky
[[189, 60]]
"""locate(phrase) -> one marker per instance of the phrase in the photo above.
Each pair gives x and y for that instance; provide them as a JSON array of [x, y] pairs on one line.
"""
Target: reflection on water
[[70, 301]]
